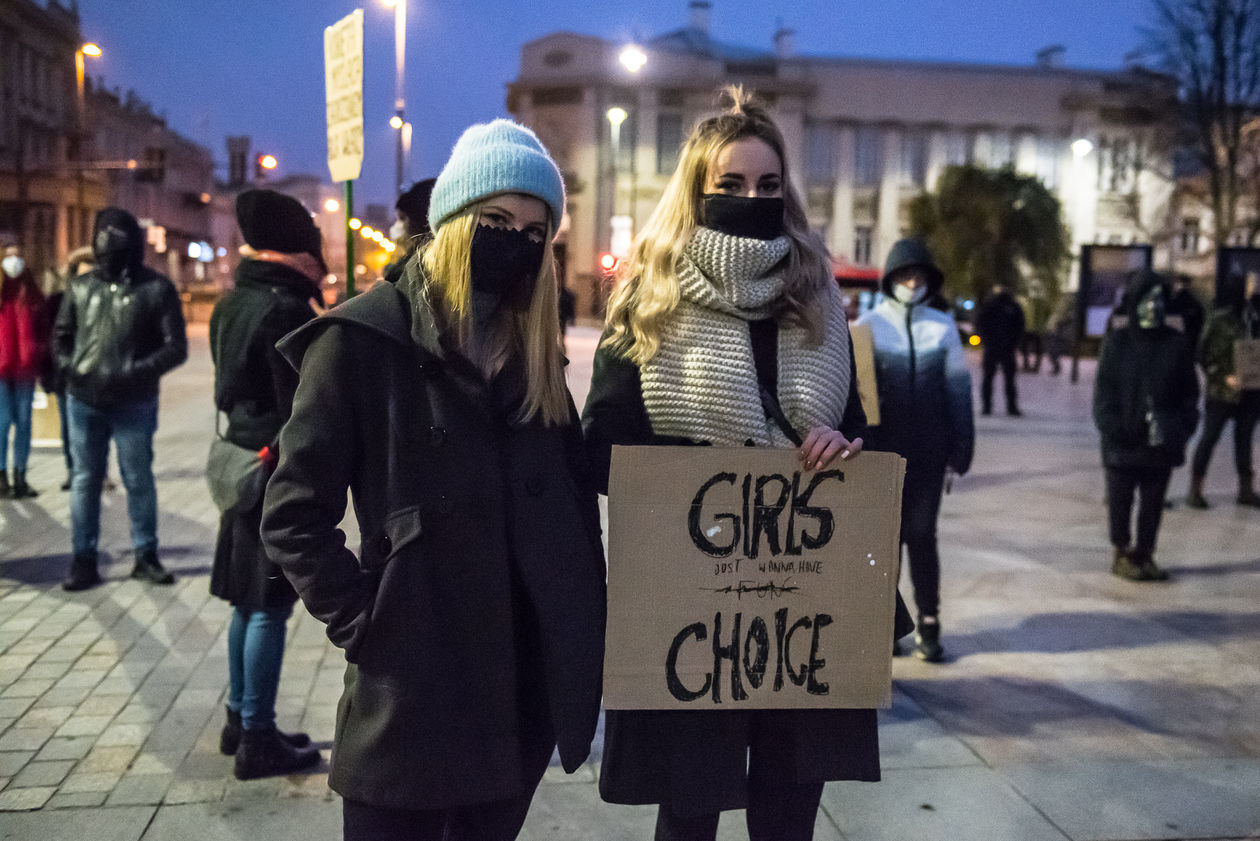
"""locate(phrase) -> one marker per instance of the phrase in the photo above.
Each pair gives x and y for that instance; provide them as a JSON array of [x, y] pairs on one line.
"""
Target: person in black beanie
[[411, 227], [276, 282]]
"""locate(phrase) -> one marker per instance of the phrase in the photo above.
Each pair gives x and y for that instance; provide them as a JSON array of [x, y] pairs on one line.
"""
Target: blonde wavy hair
[[534, 333], [647, 282]]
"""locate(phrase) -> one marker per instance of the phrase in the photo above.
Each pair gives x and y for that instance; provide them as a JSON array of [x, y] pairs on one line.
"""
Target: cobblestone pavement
[[1073, 705]]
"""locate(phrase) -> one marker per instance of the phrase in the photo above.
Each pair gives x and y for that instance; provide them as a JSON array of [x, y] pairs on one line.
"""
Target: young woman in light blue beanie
[[472, 618]]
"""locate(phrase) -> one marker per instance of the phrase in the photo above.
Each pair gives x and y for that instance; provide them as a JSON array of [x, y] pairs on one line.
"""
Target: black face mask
[[505, 263], [741, 216], [112, 250]]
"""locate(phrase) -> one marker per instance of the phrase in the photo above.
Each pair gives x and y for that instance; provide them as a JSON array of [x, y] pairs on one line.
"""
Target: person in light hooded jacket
[[924, 392]]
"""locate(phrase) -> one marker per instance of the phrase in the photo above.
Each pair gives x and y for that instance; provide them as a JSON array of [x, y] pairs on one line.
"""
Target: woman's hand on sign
[[822, 445]]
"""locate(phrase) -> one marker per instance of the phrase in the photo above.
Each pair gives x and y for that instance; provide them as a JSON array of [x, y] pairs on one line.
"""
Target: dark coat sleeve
[[306, 497], [284, 380], [614, 412], [1108, 391], [853, 424], [63, 332]]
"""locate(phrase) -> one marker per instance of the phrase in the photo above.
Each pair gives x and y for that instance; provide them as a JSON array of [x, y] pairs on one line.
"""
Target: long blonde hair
[[534, 333], [647, 290]]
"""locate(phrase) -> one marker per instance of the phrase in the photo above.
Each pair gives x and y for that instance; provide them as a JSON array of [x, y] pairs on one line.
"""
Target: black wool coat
[[697, 761], [254, 386], [472, 617]]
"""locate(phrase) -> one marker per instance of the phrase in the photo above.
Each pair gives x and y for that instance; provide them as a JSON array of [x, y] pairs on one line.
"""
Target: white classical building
[[864, 136]]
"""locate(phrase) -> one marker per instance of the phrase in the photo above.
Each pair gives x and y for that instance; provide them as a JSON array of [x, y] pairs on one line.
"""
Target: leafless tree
[[1212, 47]]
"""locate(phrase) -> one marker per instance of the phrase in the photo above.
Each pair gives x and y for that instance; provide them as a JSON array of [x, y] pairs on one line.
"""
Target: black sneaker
[[1245, 497], [265, 753], [148, 569], [927, 640]]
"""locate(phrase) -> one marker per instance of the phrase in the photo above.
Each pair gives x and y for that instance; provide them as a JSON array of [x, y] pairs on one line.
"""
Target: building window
[[1001, 150], [820, 152], [1117, 164], [669, 140], [862, 236], [956, 148], [867, 157], [1189, 236], [913, 157]]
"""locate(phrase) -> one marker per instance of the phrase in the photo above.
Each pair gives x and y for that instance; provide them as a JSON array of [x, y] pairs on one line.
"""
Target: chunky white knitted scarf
[[702, 382]]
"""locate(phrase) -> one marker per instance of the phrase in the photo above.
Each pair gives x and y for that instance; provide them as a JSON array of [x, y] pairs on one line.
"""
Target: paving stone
[[91, 781], [96, 704], [27, 688], [14, 707], [196, 790], [71, 695], [52, 670], [25, 799], [12, 761], [43, 773], [138, 714], [140, 789], [112, 759], [156, 763], [75, 747], [84, 725], [124, 734], [77, 800], [80, 678], [25, 738], [46, 717]]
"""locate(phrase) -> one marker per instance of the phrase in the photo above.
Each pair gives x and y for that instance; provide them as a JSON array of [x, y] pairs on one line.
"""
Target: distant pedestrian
[[275, 284], [1146, 396], [1000, 324], [1236, 317], [411, 227], [925, 415], [472, 618], [23, 348], [119, 329], [1184, 304], [1059, 331]]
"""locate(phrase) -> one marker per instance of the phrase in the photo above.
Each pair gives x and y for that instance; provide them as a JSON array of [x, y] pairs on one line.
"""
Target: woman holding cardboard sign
[[727, 329], [472, 617]]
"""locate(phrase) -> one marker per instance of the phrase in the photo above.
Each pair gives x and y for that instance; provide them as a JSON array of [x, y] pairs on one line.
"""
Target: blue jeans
[[255, 651], [15, 411], [132, 427]]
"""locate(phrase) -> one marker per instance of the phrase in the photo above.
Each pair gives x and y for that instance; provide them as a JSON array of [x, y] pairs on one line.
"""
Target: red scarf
[[301, 262]]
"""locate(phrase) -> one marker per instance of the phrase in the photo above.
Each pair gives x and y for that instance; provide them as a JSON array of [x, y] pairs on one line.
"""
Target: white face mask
[[13, 265], [397, 231], [908, 295]]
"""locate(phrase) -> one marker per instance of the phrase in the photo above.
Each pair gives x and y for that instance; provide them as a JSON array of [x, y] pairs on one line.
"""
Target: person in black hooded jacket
[[1146, 399], [119, 329], [276, 282]]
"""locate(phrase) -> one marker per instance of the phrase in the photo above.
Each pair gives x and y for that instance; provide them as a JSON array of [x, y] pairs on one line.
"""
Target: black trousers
[[1151, 484], [992, 360], [1245, 413], [500, 820], [775, 813], [920, 506]]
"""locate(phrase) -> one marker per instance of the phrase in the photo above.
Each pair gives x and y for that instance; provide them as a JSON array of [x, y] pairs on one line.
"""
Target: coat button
[[437, 436], [445, 506], [384, 544], [534, 486]]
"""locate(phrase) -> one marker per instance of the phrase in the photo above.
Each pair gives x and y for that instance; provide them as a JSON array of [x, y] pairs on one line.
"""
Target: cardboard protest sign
[[1247, 362], [738, 580]]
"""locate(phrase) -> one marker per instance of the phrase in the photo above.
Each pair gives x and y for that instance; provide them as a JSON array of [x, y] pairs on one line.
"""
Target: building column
[[840, 234], [937, 158], [647, 105], [888, 215]]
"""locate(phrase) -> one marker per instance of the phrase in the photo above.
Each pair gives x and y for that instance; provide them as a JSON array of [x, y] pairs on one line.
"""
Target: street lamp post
[[80, 126], [399, 120], [633, 59]]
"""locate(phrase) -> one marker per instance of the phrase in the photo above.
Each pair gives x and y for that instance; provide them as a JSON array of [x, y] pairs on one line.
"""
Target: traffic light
[[608, 263]]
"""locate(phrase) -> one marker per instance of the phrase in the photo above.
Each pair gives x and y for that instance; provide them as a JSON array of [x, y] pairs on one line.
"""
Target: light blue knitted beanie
[[496, 157]]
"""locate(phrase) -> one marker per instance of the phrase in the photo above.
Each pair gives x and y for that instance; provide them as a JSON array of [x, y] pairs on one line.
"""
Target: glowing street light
[[355, 223], [632, 58], [332, 205], [268, 162], [395, 122], [90, 49], [1081, 147]]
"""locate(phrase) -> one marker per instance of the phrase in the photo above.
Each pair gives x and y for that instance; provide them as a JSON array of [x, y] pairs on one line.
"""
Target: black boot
[[5, 490], [21, 490], [83, 572], [148, 569], [265, 753], [230, 738], [927, 640]]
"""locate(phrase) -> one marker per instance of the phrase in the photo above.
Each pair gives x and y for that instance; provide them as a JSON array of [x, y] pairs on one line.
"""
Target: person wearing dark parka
[[472, 618], [1146, 406]]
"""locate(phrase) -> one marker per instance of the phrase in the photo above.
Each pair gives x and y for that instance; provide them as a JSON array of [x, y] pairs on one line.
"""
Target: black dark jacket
[[254, 385], [1000, 324], [118, 332], [1146, 392], [697, 760], [473, 614]]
